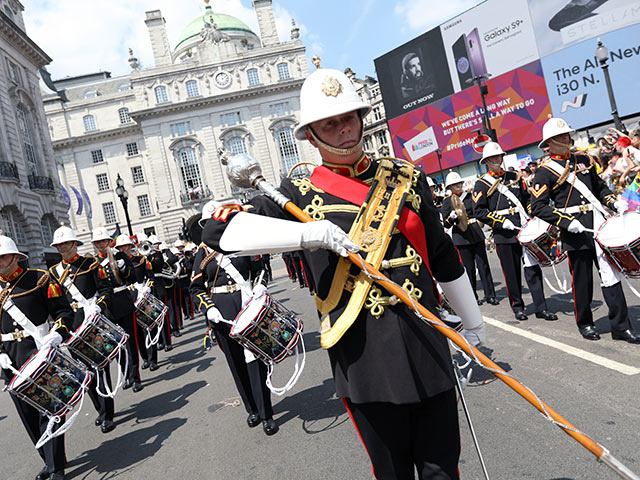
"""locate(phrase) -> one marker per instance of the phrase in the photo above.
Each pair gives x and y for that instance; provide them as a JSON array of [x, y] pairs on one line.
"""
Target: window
[[161, 94], [24, 124], [192, 88], [381, 137], [190, 170], [143, 204], [236, 145], [150, 231], [283, 71], [180, 129], [14, 72], [132, 149], [123, 113], [287, 147], [137, 174], [109, 212], [93, 93], [11, 226], [89, 123], [368, 145], [48, 226], [96, 156], [124, 87], [250, 46], [9, 12], [279, 109], [230, 119], [103, 182], [377, 113], [253, 77]]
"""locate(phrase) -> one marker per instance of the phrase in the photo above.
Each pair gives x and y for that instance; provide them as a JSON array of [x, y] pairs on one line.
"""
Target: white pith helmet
[[142, 237], [178, 243], [8, 246], [190, 247], [123, 240], [452, 178], [207, 211], [163, 246], [552, 127], [326, 93], [153, 239], [64, 234], [100, 233], [491, 149]]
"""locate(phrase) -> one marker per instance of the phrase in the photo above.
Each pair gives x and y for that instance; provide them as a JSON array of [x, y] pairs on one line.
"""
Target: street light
[[484, 91], [124, 198], [602, 54]]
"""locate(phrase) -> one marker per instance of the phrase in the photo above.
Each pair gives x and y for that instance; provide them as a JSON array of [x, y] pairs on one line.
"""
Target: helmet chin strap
[[558, 147], [336, 150]]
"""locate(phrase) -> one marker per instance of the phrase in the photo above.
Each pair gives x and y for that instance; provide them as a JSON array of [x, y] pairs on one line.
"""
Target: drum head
[[533, 229], [31, 368], [620, 230], [251, 312]]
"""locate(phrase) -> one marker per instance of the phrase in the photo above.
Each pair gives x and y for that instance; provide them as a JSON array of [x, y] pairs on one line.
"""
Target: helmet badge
[[331, 87]]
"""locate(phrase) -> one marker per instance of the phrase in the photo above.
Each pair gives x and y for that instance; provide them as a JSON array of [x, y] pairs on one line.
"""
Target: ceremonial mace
[[245, 172]]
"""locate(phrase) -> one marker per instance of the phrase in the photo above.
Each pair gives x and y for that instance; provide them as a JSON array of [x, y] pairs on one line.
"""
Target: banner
[[78, 198], [87, 200], [576, 83], [560, 24], [491, 38], [518, 106]]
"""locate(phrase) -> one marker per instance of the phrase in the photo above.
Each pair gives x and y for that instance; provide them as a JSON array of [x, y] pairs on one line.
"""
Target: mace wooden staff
[[245, 172]]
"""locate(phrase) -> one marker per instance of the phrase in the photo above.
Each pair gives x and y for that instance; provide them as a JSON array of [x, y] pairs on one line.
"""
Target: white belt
[[507, 211], [472, 220], [226, 289], [584, 208], [121, 288], [18, 335]]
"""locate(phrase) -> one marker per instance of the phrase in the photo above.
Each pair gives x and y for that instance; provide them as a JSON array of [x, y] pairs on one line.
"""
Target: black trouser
[[402, 438], [174, 313], [128, 325], [581, 263], [510, 256], [35, 424], [105, 406], [476, 254], [250, 379], [167, 326], [187, 306]]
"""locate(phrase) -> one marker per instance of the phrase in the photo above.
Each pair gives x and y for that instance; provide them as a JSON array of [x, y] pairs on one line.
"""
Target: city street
[[187, 423]]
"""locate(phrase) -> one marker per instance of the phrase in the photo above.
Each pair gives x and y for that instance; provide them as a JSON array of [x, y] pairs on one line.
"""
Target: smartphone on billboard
[[461, 58], [476, 57]]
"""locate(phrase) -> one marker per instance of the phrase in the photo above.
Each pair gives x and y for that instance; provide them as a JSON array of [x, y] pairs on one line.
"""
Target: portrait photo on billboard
[[414, 74], [559, 24], [489, 39]]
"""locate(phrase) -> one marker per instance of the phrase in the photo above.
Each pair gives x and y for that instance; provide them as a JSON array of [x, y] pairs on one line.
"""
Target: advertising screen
[[414, 74], [518, 106], [559, 24], [576, 83], [491, 38]]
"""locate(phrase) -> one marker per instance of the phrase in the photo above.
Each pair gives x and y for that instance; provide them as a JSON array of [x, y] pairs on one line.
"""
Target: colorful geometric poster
[[518, 106]]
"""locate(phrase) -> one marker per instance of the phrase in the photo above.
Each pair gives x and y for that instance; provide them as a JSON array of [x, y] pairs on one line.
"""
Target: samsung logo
[[452, 24]]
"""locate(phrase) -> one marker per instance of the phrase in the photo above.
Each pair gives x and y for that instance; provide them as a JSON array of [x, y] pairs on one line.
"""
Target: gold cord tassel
[[207, 259]]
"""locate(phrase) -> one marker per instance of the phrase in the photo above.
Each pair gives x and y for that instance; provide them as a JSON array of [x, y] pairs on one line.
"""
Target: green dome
[[225, 23]]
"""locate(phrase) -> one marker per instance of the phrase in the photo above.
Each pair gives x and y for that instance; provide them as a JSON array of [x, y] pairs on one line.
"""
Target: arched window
[[93, 93], [287, 147], [253, 77], [123, 113], [192, 88], [12, 227], [89, 123], [26, 129], [161, 94], [124, 87], [48, 226], [236, 145], [283, 71], [190, 170]]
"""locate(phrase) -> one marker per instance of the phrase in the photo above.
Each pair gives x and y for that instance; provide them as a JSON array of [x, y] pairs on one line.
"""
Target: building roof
[[225, 23]]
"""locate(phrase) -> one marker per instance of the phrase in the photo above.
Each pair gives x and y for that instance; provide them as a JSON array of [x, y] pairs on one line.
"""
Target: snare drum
[[150, 311], [541, 240], [51, 381], [619, 238], [268, 329], [97, 341]]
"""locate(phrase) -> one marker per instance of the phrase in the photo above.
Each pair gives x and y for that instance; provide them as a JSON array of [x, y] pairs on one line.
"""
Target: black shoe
[[153, 366], [269, 426], [160, 346], [492, 301], [43, 475], [479, 301], [176, 333], [145, 365], [97, 422], [107, 426], [168, 348], [58, 476], [546, 315], [589, 332], [520, 315], [253, 420], [137, 386], [626, 335], [127, 385]]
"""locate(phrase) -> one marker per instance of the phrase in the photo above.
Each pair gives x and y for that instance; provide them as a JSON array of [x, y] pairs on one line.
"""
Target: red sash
[[355, 191]]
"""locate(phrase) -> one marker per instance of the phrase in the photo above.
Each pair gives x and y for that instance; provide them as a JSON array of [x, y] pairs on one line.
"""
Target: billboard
[[576, 84], [491, 38], [518, 106], [560, 24]]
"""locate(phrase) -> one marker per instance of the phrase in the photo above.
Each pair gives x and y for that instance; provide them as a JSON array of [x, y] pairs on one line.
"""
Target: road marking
[[597, 359]]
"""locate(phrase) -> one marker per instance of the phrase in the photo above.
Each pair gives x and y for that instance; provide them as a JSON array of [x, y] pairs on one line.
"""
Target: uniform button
[[15, 324], [229, 283]]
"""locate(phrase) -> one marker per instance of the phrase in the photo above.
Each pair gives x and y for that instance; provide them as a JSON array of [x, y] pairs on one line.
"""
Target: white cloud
[[421, 15]]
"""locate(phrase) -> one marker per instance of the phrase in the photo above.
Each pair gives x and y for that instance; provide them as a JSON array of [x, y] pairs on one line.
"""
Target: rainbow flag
[[632, 193]]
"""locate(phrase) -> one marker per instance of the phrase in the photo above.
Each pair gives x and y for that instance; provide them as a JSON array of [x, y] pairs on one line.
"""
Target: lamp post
[[602, 54], [439, 154], [124, 198], [484, 91]]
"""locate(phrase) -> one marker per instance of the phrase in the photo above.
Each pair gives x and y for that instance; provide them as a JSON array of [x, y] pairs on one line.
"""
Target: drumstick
[[245, 172]]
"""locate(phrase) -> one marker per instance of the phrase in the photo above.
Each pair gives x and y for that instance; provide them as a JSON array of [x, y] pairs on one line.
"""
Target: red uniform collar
[[72, 259], [16, 273], [359, 166], [101, 255], [555, 156], [496, 174]]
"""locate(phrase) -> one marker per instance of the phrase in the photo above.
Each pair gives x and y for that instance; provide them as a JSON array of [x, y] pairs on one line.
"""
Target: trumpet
[[144, 248]]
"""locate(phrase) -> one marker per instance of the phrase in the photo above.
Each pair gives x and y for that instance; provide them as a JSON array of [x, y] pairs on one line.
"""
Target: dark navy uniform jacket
[[473, 234]]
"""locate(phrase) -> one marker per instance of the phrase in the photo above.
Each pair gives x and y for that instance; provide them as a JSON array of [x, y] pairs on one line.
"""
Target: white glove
[[453, 215], [5, 361], [214, 315], [621, 206], [259, 290], [91, 309], [476, 336], [324, 234], [51, 339], [575, 227], [508, 224], [120, 264]]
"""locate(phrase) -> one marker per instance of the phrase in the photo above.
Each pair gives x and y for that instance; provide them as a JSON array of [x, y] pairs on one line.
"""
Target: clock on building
[[222, 79]]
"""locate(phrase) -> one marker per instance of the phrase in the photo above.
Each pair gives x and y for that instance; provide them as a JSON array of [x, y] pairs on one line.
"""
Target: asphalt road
[[187, 422]]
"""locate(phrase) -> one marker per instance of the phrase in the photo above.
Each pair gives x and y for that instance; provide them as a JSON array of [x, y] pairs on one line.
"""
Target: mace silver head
[[243, 171]]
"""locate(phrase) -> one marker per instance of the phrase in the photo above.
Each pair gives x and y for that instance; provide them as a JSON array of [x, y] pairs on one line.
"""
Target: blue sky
[[84, 36]]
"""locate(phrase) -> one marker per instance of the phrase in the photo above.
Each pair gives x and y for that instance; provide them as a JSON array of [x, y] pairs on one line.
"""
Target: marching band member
[[86, 285], [500, 200], [470, 242], [161, 288], [187, 304], [120, 309], [182, 280], [392, 370], [570, 180], [215, 288], [172, 264], [37, 297]]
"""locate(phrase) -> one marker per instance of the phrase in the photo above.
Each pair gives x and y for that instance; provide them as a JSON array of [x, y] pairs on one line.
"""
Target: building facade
[[159, 130], [32, 205]]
